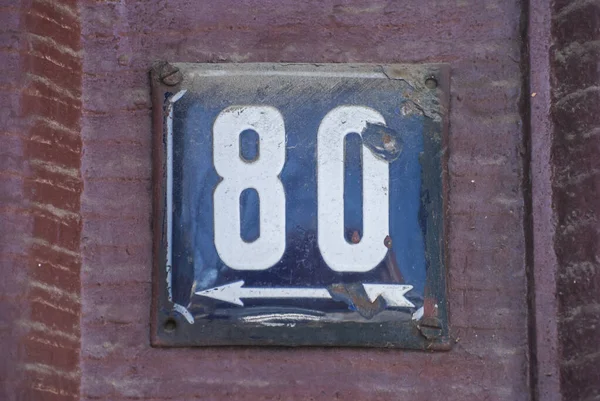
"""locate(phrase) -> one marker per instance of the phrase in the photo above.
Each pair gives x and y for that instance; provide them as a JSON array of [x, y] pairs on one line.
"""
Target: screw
[[170, 325], [431, 82], [169, 74]]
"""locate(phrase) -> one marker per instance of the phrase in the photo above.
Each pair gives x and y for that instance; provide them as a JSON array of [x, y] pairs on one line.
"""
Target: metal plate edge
[[169, 328]]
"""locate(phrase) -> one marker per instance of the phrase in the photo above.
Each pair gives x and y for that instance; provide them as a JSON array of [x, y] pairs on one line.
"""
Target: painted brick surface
[[43, 209], [575, 150], [40, 188], [480, 39]]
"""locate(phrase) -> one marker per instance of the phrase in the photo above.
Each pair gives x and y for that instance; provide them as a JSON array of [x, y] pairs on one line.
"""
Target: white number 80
[[263, 175]]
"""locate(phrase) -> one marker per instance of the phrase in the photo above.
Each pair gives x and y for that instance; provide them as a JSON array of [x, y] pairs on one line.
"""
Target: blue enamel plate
[[300, 205]]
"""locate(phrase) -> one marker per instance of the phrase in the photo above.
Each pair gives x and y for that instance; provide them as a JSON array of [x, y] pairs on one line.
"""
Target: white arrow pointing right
[[392, 293]]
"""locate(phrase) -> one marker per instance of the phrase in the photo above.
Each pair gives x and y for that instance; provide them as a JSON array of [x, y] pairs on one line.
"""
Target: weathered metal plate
[[300, 205]]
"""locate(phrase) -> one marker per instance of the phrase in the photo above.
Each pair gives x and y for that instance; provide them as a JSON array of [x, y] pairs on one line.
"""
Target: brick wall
[[75, 237], [575, 74], [40, 187], [480, 39]]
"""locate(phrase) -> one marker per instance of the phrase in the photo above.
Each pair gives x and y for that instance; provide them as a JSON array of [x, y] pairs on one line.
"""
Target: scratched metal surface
[[414, 113]]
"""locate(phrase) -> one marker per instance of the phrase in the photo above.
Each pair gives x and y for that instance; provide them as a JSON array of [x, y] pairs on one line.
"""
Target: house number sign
[[300, 204]]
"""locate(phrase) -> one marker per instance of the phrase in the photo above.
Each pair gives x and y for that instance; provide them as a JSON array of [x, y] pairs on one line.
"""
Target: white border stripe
[[171, 101], [316, 74]]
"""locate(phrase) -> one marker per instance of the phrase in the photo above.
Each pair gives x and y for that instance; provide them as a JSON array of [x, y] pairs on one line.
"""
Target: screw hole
[[431, 83], [170, 325]]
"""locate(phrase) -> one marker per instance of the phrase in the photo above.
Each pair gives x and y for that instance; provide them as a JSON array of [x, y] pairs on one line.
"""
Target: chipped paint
[[184, 312], [418, 314], [410, 108], [423, 97], [355, 295], [385, 143]]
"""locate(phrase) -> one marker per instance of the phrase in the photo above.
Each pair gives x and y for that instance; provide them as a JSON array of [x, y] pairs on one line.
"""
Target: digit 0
[[336, 251]]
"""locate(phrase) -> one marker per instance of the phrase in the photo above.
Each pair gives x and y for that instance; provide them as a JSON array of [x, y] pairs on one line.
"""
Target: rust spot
[[387, 241], [356, 298], [430, 306], [430, 328], [355, 237], [383, 142]]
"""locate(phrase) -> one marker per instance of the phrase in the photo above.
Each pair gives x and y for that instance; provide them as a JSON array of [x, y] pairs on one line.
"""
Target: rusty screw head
[[170, 325], [431, 82], [169, 74]]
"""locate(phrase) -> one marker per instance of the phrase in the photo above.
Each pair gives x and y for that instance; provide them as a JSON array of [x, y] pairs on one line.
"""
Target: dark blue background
[[303, 104]]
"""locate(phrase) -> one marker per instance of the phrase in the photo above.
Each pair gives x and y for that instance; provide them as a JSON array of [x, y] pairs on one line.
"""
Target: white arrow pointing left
[[233, 293]]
